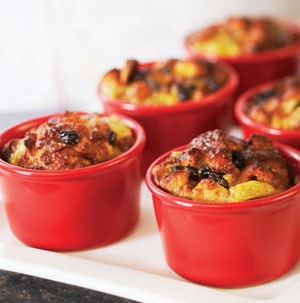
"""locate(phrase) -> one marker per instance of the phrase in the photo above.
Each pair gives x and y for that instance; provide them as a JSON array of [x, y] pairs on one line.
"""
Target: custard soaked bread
[[278, 106], [238, 36], [220, 168], [163, 83], [69, 141]]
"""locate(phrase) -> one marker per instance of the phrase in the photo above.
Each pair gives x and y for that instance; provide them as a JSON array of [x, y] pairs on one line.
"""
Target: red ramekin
[[72, 209], [249, 126], [260, 67], [170, 126], [230, 244]]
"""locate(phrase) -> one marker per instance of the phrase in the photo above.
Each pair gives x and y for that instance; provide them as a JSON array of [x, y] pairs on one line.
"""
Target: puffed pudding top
[[216, 167], [243, 35], [278, 106], [69, 141], [163, 83]]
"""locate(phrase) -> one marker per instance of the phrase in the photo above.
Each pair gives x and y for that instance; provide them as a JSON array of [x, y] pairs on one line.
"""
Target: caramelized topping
[[70, 141], [163, 83], [278, 106], [242, 36], [221, 168]]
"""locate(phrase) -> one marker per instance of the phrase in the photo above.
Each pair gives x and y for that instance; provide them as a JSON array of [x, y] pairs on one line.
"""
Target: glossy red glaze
[[72, 209], [230, 244], [258, 68], [170, 126], [290, 137]]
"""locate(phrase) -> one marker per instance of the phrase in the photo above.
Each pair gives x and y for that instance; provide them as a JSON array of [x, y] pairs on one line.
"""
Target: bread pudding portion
[[69, 141], [216, 167], [163, 83], [278, 106], [243, 35]]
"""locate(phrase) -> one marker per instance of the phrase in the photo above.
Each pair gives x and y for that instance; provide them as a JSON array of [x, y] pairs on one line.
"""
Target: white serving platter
[[134, 268]]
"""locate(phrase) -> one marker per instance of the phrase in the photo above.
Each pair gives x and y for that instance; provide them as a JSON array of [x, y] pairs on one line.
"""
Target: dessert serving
[[173, 100], [259, 48], [163, 83], [228, 210], [220, 168], [272, 109], [71, 181], [69, 141], [243, 35], [277, 106]]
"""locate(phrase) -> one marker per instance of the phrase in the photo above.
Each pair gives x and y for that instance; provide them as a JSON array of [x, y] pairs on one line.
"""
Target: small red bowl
[[249, 126], [72, 209], [230, 244], [170, 126], [257, 68]]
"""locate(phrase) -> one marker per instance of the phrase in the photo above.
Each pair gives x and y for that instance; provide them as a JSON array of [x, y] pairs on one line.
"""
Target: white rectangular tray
[[133, 268]]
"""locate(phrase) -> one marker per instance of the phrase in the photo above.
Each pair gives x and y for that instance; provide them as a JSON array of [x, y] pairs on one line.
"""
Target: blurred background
[[53, 52]]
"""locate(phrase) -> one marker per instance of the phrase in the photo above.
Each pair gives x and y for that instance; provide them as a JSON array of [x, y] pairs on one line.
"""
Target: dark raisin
[[238, 159], [69, 137], [219, 179], [193, 174], [140, 75], [178, 167], [204, 172], [29, 142], [223, 182], [153, 84], [182, 92], [190, 89], [263, 96], [112, 137]]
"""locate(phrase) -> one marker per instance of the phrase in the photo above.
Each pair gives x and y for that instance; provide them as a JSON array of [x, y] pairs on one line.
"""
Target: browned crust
[[67, 141], [218, 161]]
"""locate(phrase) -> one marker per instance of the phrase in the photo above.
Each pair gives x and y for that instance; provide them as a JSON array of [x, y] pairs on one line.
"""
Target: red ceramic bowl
[[249, 126], [170, 126], [230, 244], [260, 67], [72, 209]]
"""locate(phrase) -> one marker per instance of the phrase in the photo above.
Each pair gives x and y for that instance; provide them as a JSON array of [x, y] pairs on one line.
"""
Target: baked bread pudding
[[278, 106], [242, 36], [69, 141], [216, 167], [163, 83]]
